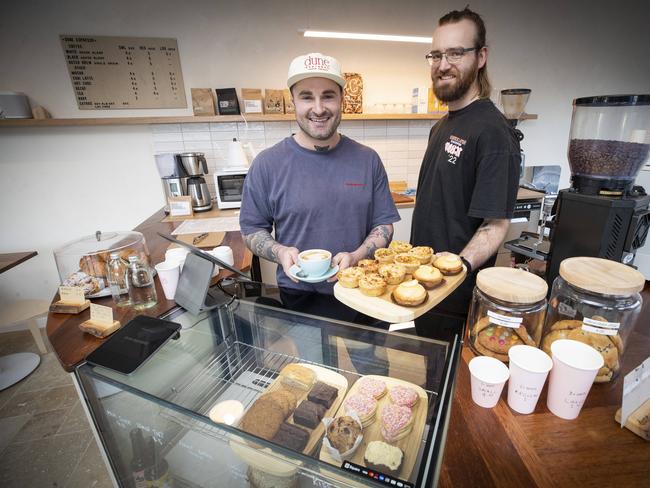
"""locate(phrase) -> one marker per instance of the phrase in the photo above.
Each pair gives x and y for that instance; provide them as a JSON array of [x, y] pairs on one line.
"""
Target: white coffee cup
[[529, 368], [168, 274], [224, 253], [575, 366], [177, 254], [488, 377], [315, 262]]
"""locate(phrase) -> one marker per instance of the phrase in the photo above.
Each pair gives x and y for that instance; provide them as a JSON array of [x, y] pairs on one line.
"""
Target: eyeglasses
[[453, 55]]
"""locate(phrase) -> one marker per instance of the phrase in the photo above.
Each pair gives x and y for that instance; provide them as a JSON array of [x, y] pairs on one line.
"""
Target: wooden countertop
[[501, 448], [72, 346], [11, 259]]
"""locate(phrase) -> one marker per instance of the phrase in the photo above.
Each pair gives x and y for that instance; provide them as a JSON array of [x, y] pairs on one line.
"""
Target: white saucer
[[313, 279]]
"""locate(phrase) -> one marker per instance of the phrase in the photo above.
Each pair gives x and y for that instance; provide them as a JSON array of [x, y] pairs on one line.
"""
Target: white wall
[[559, 49]]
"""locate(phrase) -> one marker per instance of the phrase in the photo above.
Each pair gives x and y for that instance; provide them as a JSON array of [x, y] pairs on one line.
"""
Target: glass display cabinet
[[236, 352]]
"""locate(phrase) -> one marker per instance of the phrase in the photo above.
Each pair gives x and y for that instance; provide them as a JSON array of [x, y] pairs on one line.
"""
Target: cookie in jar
[[597, 302], [507, 309]]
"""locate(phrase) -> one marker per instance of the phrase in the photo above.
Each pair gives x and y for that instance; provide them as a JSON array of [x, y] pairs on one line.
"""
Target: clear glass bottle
[[116, 277], [142, 291]]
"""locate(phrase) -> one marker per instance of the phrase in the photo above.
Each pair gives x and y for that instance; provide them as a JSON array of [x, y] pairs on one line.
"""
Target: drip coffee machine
[[603, 214], [196, 167]]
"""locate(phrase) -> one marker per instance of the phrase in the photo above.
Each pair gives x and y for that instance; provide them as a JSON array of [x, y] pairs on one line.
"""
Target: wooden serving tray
[[409, 444], [269, 462], [384, 308]]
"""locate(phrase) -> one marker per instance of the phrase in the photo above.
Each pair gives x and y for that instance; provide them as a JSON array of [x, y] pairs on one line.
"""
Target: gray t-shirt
[[316, 200]]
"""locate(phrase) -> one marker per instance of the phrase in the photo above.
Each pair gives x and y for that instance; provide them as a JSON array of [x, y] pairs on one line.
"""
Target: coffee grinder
[[196, 167], [603, 214], [513, 101]]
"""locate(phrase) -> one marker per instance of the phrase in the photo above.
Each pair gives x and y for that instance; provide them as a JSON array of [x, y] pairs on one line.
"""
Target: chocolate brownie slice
[[308, 414], [323, 394], [291, 437]]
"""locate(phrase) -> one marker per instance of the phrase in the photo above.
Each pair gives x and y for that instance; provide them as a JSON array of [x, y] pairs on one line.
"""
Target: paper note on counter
[[198, 226]]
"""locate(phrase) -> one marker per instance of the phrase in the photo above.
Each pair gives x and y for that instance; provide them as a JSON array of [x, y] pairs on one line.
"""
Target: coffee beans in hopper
[[607, 158]]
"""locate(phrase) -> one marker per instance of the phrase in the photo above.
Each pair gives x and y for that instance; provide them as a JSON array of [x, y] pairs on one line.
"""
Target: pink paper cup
[[529, 368], [575, 366], [168, 274], [488, 377]]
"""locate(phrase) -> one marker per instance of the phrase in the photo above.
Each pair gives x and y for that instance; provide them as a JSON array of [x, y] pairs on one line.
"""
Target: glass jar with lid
[[595, 301], [508, 308], [84, 262]]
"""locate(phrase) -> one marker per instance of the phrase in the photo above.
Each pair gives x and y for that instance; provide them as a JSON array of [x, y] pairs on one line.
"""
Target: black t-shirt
[[470, 172]]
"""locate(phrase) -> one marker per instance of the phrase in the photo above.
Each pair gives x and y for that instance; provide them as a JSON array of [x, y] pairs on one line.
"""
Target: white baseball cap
[[315, 65]]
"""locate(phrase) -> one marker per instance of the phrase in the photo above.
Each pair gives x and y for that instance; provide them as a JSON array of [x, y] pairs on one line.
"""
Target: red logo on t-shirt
[[348, 183]]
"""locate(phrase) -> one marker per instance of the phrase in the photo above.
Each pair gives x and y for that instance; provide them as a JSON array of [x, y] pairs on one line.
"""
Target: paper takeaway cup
[[529, 368], [575, 366], [177, 254], [488, 377], [168, 274], [224, 253]]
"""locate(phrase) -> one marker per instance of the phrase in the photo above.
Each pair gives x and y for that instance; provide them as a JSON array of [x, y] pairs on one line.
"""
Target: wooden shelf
[[215, 118]]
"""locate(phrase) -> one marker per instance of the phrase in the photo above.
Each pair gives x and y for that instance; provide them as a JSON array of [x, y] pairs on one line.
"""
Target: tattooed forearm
[[263, 245], [485, 241], [379, 237]]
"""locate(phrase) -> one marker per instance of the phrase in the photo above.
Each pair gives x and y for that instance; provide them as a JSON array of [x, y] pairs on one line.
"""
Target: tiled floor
[[45, 439]]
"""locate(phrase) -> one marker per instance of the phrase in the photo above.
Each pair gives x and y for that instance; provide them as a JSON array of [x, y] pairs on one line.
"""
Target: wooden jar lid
[[511, 285], [602, 276]]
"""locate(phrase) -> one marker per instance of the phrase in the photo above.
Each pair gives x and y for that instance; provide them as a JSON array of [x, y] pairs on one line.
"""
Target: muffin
[[349, 277], [393, 274], [410, 293], [449, 264], [411, 263], [422, 253], [400, 246], [342, 433], [428, 276], [384, 255], [372, 285], [368, 265]]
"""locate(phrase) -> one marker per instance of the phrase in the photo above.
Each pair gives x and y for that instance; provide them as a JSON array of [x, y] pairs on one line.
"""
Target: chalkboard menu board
[[110, 73]]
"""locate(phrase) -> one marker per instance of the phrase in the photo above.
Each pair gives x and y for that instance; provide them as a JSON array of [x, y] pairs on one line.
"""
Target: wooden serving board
[[268, 461], [384, 308], [409, 444]]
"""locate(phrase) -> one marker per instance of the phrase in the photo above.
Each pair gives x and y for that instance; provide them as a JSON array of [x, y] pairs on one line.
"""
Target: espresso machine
[[603, 214], [196, 167]]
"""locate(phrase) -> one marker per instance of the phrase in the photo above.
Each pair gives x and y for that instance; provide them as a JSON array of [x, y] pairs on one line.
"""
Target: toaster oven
[[229, 186]]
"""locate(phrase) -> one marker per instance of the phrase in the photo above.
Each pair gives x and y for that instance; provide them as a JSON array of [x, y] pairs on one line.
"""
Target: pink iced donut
[[402, 395], [372, 387], [395, 418], [361, 404]]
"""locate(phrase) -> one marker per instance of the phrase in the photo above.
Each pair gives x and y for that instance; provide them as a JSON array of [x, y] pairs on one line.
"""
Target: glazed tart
[[428, 276], [449, 264], [410, 293]]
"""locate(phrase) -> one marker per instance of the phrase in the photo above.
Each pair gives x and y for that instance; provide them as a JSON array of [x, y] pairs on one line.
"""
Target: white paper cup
[[168, 274], [529, 368], [177, 254], [488, 377], [224, 253], [575, 366]]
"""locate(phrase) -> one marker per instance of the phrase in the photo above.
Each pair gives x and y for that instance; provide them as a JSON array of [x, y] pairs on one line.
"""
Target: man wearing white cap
[[317, 189]]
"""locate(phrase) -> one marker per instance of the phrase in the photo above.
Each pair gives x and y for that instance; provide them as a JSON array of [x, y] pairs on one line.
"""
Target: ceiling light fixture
[[366, 37]]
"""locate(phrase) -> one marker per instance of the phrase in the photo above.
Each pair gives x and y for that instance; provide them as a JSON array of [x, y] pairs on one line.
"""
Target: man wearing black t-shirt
[[468, 181]]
